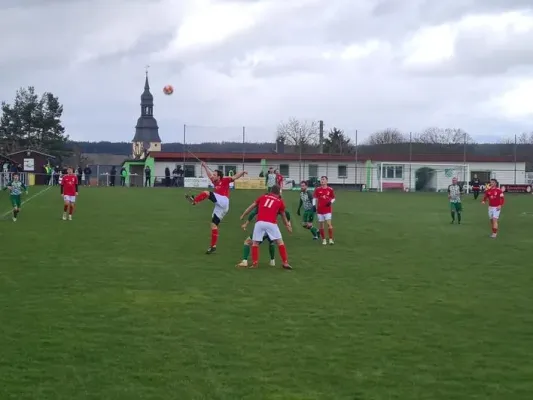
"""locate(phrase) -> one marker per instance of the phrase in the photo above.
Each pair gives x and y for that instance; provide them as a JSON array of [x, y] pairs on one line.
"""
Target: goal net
[[421, 177]]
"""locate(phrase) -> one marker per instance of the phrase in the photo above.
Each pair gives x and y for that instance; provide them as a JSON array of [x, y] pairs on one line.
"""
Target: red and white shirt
[[69, 185], [495, 197], [324, 197], [269, 207], [222, 186]]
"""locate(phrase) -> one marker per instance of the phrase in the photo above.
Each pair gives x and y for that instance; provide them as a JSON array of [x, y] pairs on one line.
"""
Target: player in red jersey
[[219, 196], [279, 180], [323, 199], [496, 200], [69, 192], [269, 206]]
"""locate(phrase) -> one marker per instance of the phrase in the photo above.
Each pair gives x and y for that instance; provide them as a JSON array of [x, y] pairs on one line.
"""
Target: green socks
[[459, 217], [453, 216], [245, 252], [314, 231], [272, 251]]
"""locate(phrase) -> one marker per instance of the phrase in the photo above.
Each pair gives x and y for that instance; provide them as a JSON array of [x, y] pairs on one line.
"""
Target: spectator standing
[[87, 172]]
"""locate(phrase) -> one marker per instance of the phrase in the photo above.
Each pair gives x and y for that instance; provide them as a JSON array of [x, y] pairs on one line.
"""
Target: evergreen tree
[[33, 121]]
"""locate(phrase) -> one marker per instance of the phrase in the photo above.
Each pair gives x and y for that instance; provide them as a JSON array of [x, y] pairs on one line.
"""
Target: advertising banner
[[202, 183], [251, 183], [516, 188]]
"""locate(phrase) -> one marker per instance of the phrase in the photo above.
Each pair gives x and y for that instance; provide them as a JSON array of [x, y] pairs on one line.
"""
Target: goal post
[[417, 176]]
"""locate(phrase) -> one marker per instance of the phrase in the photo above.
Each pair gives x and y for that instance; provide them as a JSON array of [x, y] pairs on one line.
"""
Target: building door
[[483, 176]]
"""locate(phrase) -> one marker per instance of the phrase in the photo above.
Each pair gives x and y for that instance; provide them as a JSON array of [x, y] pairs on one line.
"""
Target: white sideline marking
[[28, 200]]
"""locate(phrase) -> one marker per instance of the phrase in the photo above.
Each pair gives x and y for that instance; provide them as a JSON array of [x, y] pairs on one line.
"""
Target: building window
[[284, 169], [393, 172], [189, 171], [227, 168], [342, 171], [313, 170]]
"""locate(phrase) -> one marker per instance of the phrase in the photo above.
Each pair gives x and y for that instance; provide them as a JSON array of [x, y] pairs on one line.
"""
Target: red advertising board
[[516, 188]]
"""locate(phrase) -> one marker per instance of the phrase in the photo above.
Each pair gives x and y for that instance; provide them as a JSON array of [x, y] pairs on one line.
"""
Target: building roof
[[6, 158], [32, 151], [256, 157], [147, 130]]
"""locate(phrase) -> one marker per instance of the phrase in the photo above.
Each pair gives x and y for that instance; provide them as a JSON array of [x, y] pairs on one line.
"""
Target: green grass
[[122, 302]]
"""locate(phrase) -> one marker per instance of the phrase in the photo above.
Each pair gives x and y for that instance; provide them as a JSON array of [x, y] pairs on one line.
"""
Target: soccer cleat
[[14, 219], [315, 238], [70, 217], [190, 199], [254, 266], [324, 242], [242, 264], [493, 236], [286, 266], [331, 242], [272, 263], [64, 216], [211, 250]]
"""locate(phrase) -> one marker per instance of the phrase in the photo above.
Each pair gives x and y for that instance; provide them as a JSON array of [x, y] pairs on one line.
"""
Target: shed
[[32, 162]]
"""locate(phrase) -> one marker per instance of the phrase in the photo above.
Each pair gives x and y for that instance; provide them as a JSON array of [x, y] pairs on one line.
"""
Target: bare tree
[[523, 138], [435, 135], [301, 134], [387, 136]]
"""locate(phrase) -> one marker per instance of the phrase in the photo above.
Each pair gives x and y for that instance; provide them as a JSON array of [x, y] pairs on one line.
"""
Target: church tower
[[146, 137]]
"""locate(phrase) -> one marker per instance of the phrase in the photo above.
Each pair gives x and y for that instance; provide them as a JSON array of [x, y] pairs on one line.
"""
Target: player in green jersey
[[306, 201], [16, 187], [248, 242], [454, 195]]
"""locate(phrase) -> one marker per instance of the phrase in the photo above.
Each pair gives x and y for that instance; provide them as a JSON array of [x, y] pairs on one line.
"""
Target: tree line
[[34, 121]]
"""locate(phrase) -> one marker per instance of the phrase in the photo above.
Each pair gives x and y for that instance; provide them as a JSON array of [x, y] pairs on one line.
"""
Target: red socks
[[330, 233], [65, 208], [494, 230], [201, 197], [255, 254], [214, 237], [283, 253], [322, 233], [71, 210]]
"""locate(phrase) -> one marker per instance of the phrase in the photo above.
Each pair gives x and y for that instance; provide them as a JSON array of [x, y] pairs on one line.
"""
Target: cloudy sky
[[356, 64]]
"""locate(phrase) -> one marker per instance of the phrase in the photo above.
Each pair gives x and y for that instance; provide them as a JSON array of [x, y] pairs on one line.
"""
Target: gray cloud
[[92, 54]]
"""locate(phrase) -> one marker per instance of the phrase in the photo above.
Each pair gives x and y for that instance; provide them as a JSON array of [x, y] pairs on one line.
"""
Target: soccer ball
[[168, 90]]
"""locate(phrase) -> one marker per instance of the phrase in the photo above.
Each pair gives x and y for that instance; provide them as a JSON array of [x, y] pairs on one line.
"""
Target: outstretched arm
[[248, 210], [239, 175]]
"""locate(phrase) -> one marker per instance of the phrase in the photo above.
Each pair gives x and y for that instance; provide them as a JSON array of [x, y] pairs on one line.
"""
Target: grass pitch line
[[28, 200]]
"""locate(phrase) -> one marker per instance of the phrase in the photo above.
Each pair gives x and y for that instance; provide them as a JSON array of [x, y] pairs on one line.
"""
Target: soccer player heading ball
[[306, 201], [16, 188], [219, 196], [269, 206], [69, 191], [323, 199], [496, 200]]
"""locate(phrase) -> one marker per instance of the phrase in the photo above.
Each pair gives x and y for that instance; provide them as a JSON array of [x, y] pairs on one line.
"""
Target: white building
[[375, 172]]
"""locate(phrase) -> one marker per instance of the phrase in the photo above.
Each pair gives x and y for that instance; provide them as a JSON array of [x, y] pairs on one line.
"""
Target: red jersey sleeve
[[282, 206], [258, 200], [502, 198], [331, 193]]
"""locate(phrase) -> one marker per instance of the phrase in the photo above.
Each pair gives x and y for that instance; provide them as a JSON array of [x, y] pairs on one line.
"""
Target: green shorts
[[458, 206], [15, 200], [308, 217]]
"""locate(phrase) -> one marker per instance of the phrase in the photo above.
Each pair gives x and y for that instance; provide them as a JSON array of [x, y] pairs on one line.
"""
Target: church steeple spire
[[146, 131]]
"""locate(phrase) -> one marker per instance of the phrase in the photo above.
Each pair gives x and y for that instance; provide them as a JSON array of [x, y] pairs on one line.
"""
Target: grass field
[[122, 302]]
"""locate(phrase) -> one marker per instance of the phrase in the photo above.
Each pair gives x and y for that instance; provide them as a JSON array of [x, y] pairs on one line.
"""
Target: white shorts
[[494, 213], [69, 199], [221, 206], [323, 217], [261, 228]]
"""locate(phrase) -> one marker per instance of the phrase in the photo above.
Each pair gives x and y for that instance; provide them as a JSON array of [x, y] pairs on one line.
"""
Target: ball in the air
[[168, 90]]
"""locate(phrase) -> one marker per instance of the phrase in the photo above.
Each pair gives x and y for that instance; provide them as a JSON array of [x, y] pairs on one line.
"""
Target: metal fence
[[381, 177]]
